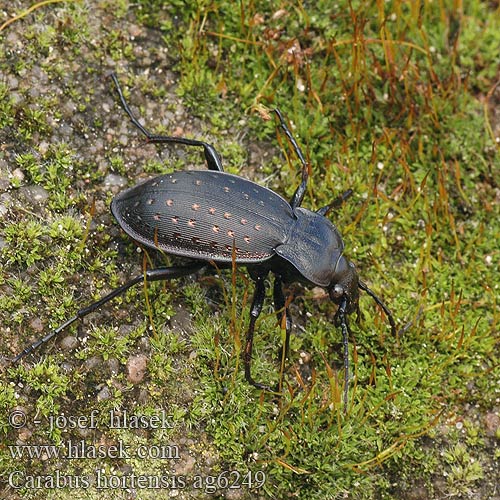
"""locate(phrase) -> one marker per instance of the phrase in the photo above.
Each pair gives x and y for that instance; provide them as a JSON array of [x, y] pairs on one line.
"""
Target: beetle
[[210, 215]]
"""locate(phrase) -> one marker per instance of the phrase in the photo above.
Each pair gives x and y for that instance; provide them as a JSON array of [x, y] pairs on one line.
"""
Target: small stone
[[113, 366], [34, 194], [134, 31], [319, 293], [112, 180], [104, 394], [136, 368], [69, 343], [18, 174], [492, 423], [143, 396], [185, 466], [37, 325], [92, 363], [24, 435]]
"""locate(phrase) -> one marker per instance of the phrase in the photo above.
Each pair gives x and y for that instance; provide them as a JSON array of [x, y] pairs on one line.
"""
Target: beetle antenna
[[344, 325], [336, 203], [379, 302], [127, 109]]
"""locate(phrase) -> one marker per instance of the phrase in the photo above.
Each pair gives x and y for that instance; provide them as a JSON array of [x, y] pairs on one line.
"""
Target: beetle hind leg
[[160, 274], [212, 157]]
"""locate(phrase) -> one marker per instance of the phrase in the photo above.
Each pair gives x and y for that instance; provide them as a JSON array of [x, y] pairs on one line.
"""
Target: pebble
[[113, 366], [68, 343], [104, 394], [136, 368], [34, 194], [92, 363], [491, 423], [18, 174], [112, 180], [37, 325], [185, 466]]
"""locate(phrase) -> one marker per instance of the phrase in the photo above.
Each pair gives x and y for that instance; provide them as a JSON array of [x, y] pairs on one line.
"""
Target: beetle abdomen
[[202, 214]]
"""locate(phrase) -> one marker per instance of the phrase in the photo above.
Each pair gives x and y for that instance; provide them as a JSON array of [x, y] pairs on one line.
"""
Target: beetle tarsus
[[298, 196], [211, 155], [150, 275]]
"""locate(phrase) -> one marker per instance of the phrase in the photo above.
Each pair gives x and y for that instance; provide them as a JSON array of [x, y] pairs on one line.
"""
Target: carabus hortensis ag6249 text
[[211, 216]]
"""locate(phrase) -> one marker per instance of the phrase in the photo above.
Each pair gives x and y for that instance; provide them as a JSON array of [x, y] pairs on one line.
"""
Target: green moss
[[6, 117], [26, 240]]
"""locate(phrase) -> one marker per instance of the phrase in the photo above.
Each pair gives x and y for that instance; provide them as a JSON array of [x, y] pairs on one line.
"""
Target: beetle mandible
[[210, 215]]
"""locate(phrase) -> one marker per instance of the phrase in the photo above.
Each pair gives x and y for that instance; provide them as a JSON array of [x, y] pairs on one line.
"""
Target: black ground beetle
[[210, 215]]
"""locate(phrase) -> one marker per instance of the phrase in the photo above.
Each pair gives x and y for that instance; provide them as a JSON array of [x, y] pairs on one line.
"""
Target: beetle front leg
[[255, 310], [282, 311], [212, 157]]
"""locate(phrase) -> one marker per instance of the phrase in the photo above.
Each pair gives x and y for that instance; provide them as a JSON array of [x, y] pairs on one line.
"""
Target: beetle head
[[345, 285]]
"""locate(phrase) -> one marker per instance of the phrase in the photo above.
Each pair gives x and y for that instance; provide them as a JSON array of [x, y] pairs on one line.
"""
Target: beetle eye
[[336, 292]]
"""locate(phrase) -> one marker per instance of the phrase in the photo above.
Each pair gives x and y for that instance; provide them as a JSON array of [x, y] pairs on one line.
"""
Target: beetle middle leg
[[212, 157], [298, 196], [255, 310], [283, 314]]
